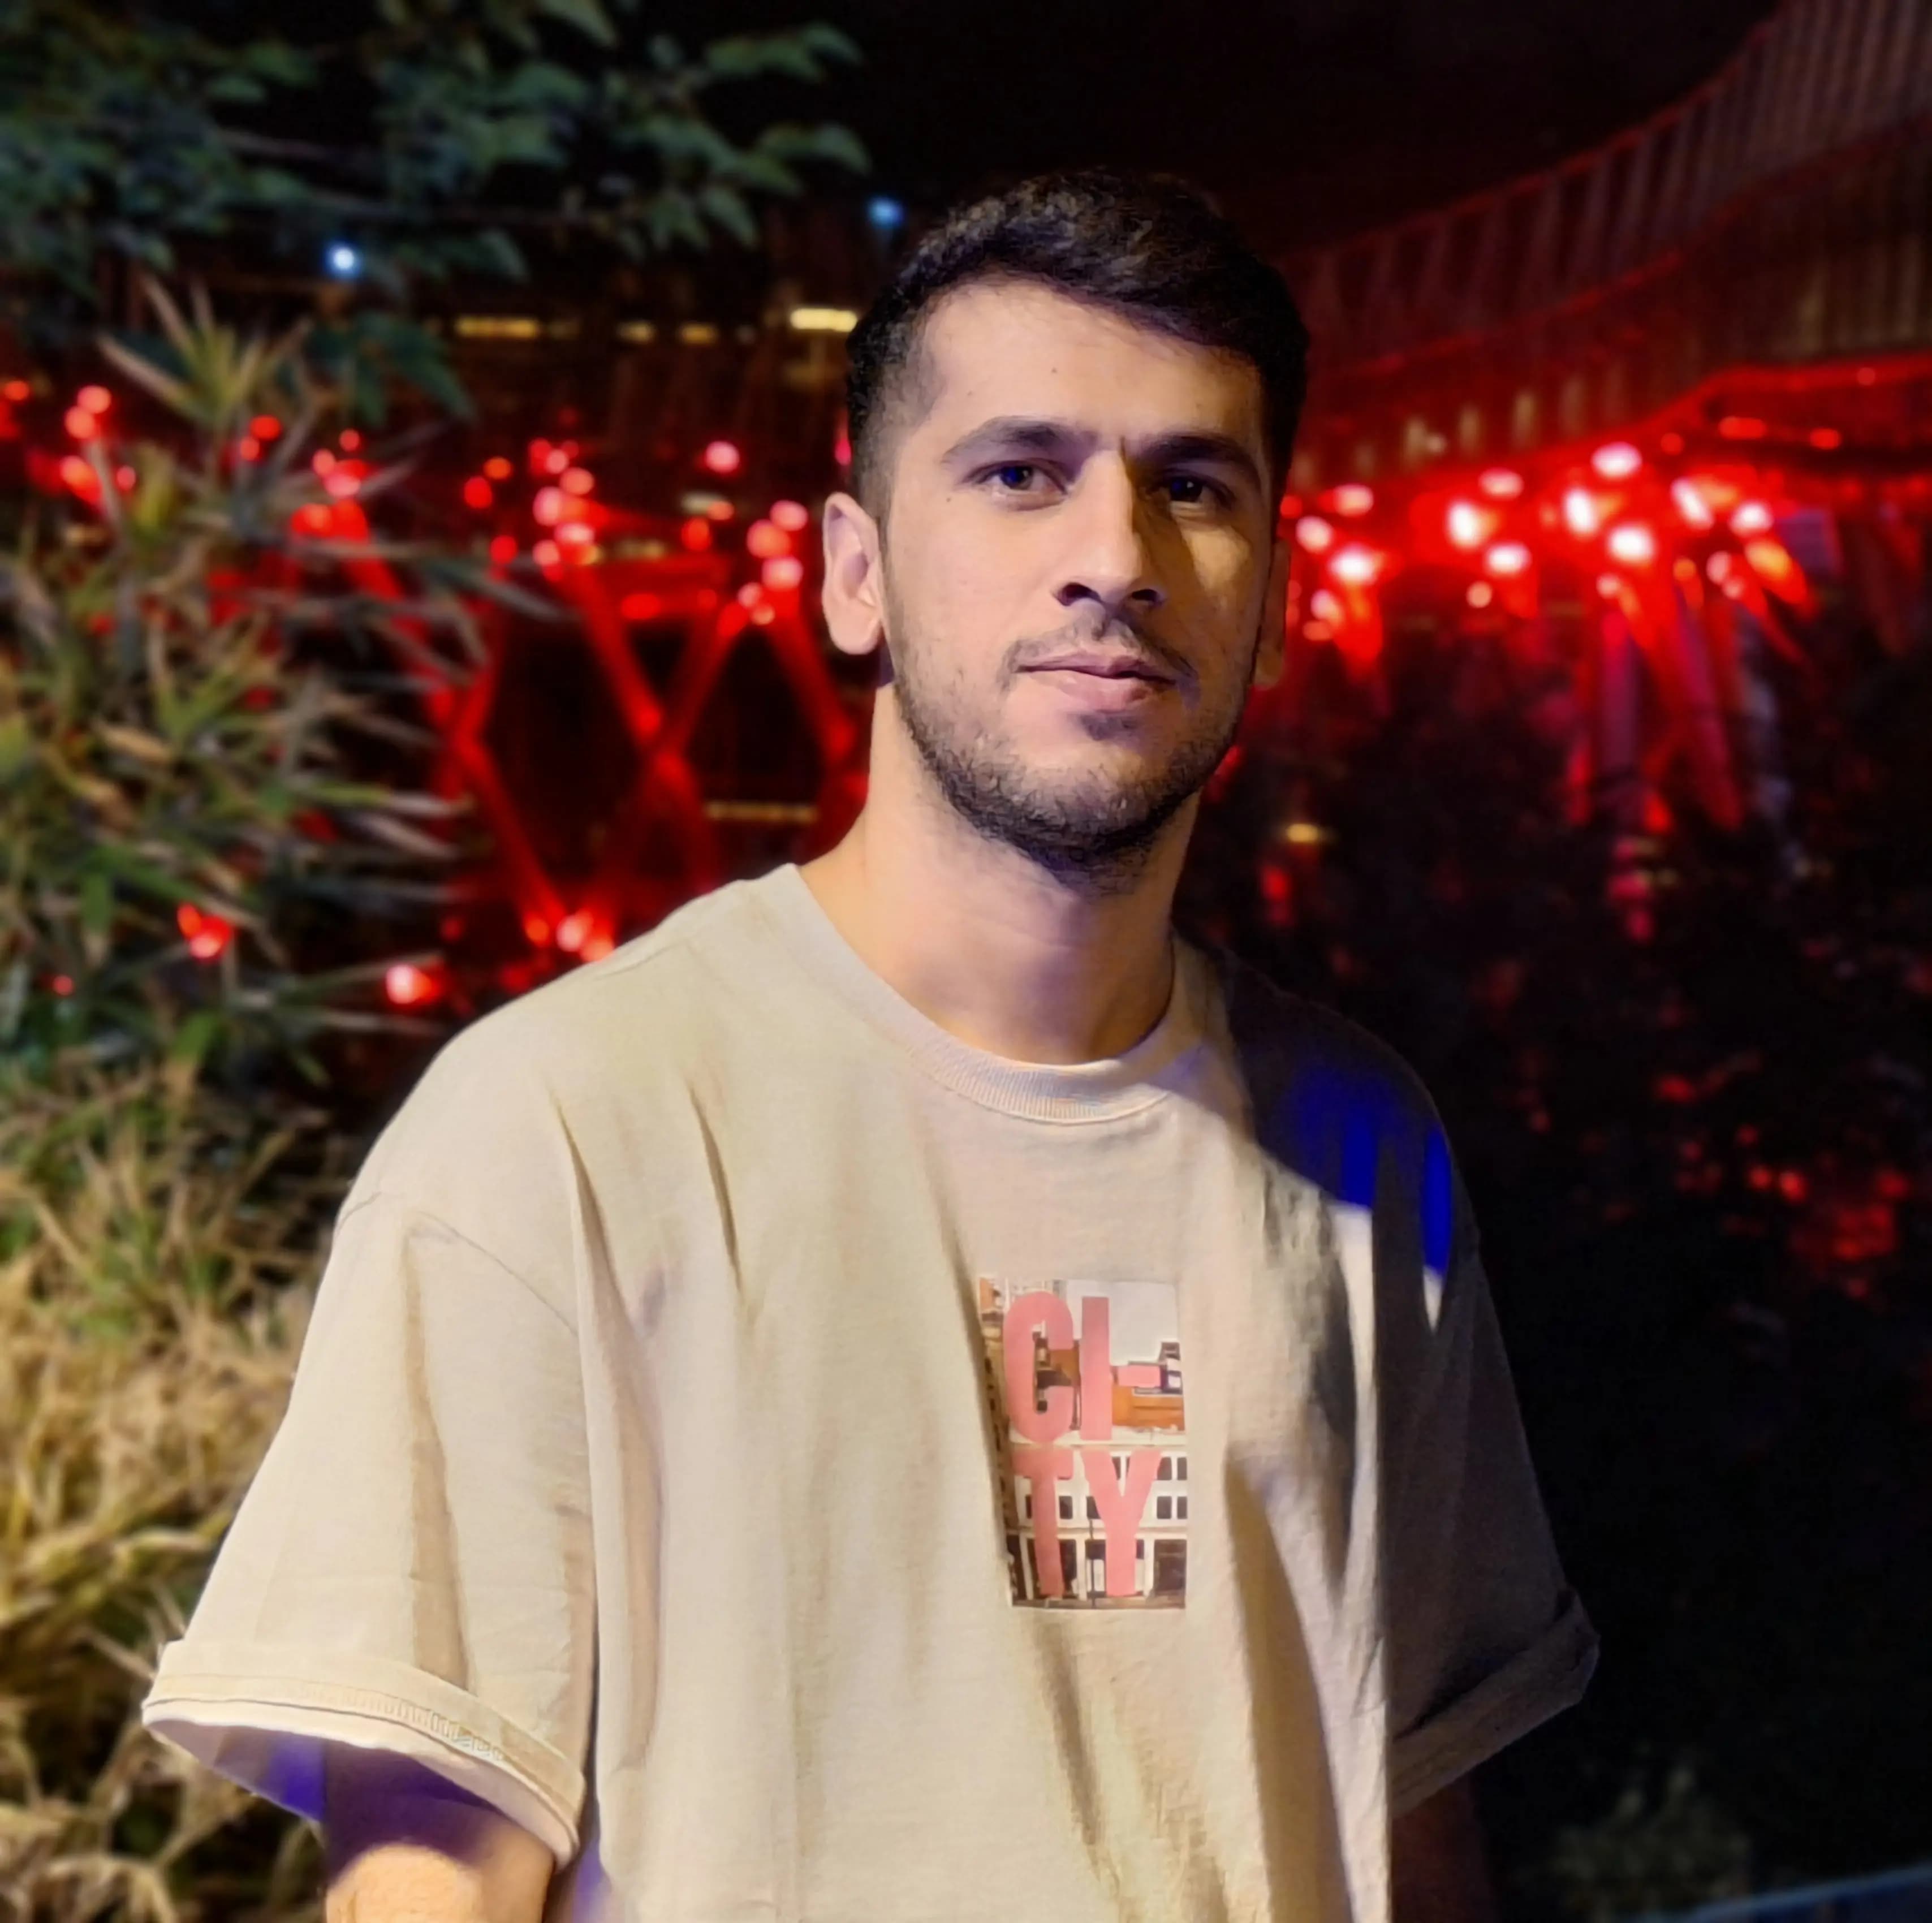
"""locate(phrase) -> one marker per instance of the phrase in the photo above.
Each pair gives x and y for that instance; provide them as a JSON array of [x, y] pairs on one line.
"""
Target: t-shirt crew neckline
[[1095, 1091]]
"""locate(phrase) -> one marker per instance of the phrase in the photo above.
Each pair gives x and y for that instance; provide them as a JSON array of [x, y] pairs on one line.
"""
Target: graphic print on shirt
[[1084, 1379]]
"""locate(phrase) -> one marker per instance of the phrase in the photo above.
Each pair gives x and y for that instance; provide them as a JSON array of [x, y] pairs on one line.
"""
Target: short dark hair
[[1147, 246]]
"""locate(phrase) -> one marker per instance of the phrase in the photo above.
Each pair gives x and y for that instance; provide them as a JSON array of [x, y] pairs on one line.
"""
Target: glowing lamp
[[96, 399], [782, 572], [694, 536], [721, 458], [1468, 526], [719, 509], [547, 554], [17, 392], [1356, 565], [344, 261], [1315, 534], [1616, 461], [342, 482], [1351, 498], [577, 481], [1508, 558], [1751, 517], [124, 478], [265, 428], [496, 469], [1609, 586], [751, 595], [1718, 567], [248, 449], [206, 935], [1691, 505], [477, 493], [81, 424], [349, 440], [550, 506], [503, 550], [408, 986], [576, 534], [1774, 566], [1324, 605], [557, 461], [1632, 543], [573, 931], [76, 474], [765, 539], [1480, 594], [322, 461], [1581, 513], [793, 516], [1500, 484]]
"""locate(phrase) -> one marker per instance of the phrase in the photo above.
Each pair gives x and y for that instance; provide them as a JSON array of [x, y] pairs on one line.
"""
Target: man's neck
[[984, 942]]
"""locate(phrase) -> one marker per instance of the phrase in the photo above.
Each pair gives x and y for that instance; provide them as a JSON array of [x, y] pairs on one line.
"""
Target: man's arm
[[1438, 1872], [402, 1846]]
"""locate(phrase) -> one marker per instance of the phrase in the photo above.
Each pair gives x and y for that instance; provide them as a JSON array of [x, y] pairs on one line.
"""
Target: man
[[909, 1392]]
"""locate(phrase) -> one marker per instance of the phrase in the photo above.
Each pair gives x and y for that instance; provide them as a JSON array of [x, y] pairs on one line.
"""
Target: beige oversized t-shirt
[[809, 1470]]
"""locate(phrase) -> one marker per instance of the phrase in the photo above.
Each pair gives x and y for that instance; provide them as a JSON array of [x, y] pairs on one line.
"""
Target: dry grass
[[155, 1278]]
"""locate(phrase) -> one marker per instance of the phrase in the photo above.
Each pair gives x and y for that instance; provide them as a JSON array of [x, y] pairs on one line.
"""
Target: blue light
[[345, 261], [885, 214]]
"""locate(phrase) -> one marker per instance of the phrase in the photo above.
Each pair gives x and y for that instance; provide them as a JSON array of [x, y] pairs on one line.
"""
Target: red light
[[641, 606], [1480, 594], [550, 506], [719, 510], [1742, 428], [597, 945], [793, 516], [1718, 567], [124, 478], [477, 493], [322, 460], [1468, 526], [503, 550], [1616, 461], [1315, 534], [1793, 1185], [782, 572], [265, 428], [1671, 442], [1751, 517], [81, 424], [62, 984], [750, 595], [17, 392], [1609, 586], [577, 534], [557, 461], [1691, 505], [1827, 438], [95, 400], [1507, 557], [577, 481], [547, 554], [79, 476], [1867, 376], [574, 931], [1352, 498], [1356, 565], [722, 457], [248, 449], [349, 440], [342, 482], [1581, 513], [409, 986], [765, 538], [695, 534], [536, 931], [497, 469], [1500, 484], [842, 449], [1632, 543], [1325, 605], [207, 935], [313, 520]]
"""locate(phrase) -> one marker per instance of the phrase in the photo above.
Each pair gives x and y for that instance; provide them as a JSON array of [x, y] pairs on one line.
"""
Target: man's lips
[[1106, 666]]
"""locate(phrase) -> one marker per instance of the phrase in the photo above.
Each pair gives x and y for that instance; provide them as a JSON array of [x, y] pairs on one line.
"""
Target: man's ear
[[853, 594], [1271, 652]]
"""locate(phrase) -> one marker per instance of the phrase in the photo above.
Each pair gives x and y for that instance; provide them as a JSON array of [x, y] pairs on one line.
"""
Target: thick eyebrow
[[1019, 433]]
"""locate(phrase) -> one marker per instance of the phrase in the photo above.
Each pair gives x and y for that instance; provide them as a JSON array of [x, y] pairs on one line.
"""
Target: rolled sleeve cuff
[[259, 1714], [1548, 1676]]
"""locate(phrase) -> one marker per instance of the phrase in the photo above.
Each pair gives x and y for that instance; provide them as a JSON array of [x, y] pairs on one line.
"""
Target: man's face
[[1076, 571]]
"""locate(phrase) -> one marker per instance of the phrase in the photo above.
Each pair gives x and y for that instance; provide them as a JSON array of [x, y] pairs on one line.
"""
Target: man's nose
[[1107, 560]]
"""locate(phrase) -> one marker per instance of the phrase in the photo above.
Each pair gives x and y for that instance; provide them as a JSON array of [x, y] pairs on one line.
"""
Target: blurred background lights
[[344, 261], [722, 457], [1617, 460]]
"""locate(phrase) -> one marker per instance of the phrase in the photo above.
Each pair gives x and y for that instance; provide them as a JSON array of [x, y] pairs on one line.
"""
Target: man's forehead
[[1015, 348]]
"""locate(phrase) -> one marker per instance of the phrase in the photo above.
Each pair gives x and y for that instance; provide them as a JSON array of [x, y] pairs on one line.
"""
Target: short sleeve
[[1487, 1640], [410, 1570]]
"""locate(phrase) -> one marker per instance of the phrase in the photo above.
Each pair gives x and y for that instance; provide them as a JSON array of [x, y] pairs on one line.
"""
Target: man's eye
[[1187, 489], [1014, 474]]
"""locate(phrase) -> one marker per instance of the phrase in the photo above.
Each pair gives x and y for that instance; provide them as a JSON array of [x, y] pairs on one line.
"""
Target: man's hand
[[1439, 1875], [402, 1846]]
